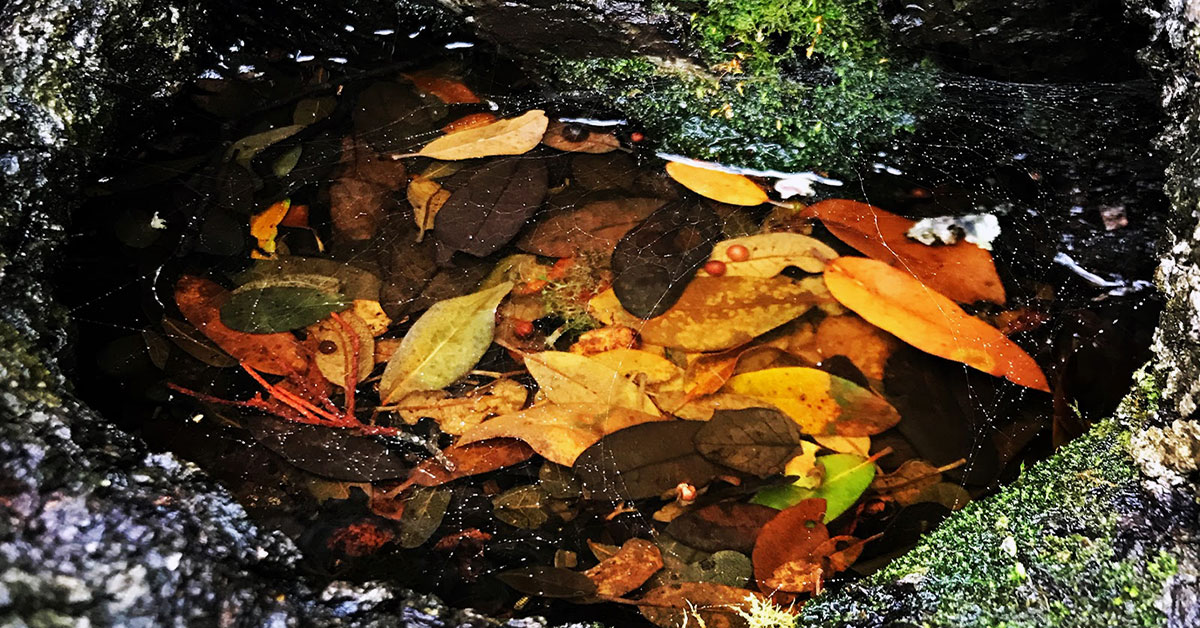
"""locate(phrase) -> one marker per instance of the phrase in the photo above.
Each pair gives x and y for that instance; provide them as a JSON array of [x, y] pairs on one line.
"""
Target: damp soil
[[1077, 205]]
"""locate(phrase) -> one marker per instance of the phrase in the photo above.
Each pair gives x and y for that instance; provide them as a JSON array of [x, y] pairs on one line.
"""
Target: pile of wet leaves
[[518, 358]]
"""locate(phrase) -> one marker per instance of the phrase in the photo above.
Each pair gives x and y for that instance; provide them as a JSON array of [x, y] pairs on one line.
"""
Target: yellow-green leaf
[[443, 345], [512, 136], [819, 402], [570, 378]]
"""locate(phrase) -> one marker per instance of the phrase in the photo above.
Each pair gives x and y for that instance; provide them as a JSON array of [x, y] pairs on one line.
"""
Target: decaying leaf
[[818, 402], [759, 441], [552, 582], [865, 345], [279, 308], [559, 432], [644, 461], [443, 345], [628, 569], [963, 272], [577, 138], [906, 483], [718, 185], [446, 89], [636, 365], [794, 534], [688, 604], [511, 136], [892, 300], [718, 313], [490, 208], [457, 415], [723, 526], [594, 342], [593, 228], [200, 301], [653, 263], [335, 453], [466, 460], [334, 348], [426, 197], [569, 378], [264, 226], [522, 507], [767, 254], [194, 343], [423, 514]]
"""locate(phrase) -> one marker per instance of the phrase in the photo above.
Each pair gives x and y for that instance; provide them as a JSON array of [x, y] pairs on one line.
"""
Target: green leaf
[[522, 507], [755, 440], [422, 515], [279, 308], [443, 345], [846, 477]]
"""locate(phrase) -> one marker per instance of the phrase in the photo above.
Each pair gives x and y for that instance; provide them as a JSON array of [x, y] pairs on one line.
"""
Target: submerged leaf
[[654, 262], [892, 300], [794, 534], [687, 604], [593, 228], [511, 136], [767, 254], [423, 513], [628, 569], [724, 187], [724, 526], [426, 198], [818, 402], [644, 461], [466, 460], [279, 308], [846, 477], [522, 507], [570, 378], [552, 582], [760, 441], [457, 415], [576, 138], [340, 454], [443, 345], [334, 364], [491, 208]]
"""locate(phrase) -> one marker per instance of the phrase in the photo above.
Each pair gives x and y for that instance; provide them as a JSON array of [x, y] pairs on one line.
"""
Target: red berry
[[738, 253], [523, 328], [636, 136], [716, 268]]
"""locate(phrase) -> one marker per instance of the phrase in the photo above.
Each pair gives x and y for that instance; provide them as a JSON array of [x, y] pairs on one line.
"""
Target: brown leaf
[[491, 207], [593, 228], [577, 138], [605, 339], [467, 460], [906, 483], [963, 271], [645, 460], [357, 207], [688, 604], [426, 197], [446, 89], [724, 526], [200, 301], [794, 534], [628, 569], [456, 415]]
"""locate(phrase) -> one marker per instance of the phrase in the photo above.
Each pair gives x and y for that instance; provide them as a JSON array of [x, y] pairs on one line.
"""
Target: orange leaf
[[466, 460], [264, 226], [963, 272], [794, 534], [200, 301], [707, 604], [628, 569], [718, 185], [470, 121], [447, 90], [892, 300]]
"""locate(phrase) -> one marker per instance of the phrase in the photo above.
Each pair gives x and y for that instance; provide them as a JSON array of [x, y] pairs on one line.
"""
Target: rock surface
[[96, 530]]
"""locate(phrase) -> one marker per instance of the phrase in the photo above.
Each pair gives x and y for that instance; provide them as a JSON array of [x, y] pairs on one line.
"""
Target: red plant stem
[[296, 403], [352, 363], [209, 398]]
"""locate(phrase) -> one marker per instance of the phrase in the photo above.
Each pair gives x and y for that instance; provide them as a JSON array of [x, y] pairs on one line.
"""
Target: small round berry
[[636, 136], [715, 267], [523, 328], [575, 133], [327, 347], [738, 253]]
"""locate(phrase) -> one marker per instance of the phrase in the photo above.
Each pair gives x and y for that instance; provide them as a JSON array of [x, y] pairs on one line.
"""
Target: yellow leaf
[[426, 197], [859, 445], [511, 136], [770, 253], [559, 432], [443, 345], [333, 365], [818, 402], [717, 313], [570, 378], [371, 313], [894, 301], [702, 408], [456, 415], [725, 187], [264, 226], [631, 363], [805, 467]]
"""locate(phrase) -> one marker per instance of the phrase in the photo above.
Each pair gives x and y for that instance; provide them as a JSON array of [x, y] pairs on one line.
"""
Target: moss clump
[[1040, 553], [780, 85], [23, 373]]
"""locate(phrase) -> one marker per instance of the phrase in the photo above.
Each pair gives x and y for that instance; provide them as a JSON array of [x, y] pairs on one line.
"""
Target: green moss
[[22, 372], [1040, 553]]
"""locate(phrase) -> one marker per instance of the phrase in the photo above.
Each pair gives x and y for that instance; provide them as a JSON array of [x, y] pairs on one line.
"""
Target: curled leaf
[[892, 300]]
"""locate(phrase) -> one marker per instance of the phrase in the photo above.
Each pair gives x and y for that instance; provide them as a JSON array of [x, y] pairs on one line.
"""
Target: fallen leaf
[[723, 526], [963, 272], [490, 208], [628, 569], [194, 343], [725, 567], [469, 121], [457, 415], [243, 151], [371, 313], [279, 308], [794, 534], [687, 604], [426, 198], [905, 484], [947, 494], [551, 582], [200, 301], [334, 364], [865, 345], [569, 378], [448, 90], [892, 300], [559, 432], [818, 402], [522, 507], [653, 263], [632, 364], [718, 313], [335, 453], [467, 460], [311, 110], [357, 207], [264, 226], [724, 187], [702, 408], [511, 136], [860, 445], [644, 461], [596, 227], [423, 513], [327, 274], [391, 116], [594, 342], [759, 441], [767, 254], [577, 138], [443, 345], [846, 476]]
